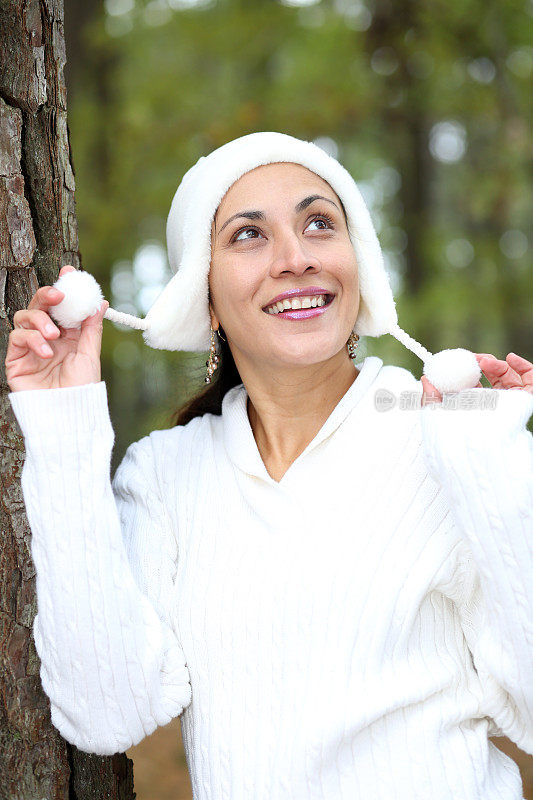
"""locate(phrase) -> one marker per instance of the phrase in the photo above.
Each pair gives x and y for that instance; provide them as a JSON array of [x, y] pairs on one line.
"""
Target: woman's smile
[[300, 307]]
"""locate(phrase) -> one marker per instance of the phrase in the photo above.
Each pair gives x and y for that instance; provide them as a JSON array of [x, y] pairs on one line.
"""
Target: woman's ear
[[214, 320]]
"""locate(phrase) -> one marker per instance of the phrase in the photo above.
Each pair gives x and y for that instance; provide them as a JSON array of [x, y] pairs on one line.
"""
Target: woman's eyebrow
[[298, 208]]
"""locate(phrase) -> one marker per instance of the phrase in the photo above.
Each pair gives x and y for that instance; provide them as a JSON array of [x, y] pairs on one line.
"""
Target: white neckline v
[[239, 439]]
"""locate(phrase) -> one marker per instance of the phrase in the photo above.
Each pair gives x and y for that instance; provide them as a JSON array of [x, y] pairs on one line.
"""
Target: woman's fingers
[[522, 367], [430, 393], [499, 373], [90, 341], [23, 341], [36, 319], [45, 297]]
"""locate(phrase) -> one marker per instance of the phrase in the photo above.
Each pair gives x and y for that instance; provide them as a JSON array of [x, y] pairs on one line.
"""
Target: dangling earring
[[352, 343], [212, 362]]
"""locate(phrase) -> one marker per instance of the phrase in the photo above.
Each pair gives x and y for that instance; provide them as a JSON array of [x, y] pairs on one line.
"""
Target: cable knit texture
[[356, 631]]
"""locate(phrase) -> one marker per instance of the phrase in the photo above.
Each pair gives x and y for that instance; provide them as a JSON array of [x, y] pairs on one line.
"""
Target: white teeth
[[296, 302]]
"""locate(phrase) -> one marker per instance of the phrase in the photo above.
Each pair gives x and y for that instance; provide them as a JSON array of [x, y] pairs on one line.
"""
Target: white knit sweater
[[355, 631]]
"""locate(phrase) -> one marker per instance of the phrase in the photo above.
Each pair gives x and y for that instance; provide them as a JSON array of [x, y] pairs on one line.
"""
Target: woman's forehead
[[294, 176]]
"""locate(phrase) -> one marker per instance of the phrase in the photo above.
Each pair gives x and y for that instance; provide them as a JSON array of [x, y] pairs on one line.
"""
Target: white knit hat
[[179, 318]]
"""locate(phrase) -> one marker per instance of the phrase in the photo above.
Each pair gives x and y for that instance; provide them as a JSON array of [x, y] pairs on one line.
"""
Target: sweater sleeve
[[105, 560], [483, 459]]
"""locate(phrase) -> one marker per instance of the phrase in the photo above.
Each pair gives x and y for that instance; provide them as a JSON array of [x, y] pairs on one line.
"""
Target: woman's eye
[[237, 236], [325, 220]]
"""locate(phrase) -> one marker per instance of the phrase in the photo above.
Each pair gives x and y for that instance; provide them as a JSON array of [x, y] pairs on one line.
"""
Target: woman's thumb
[[90, 341], [430, 393]]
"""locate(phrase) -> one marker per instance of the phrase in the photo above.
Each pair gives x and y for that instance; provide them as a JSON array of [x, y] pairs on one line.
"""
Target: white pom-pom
[[82, 299], [452, 370]]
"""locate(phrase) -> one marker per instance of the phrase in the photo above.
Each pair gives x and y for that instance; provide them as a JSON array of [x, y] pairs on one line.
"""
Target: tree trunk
[[38, 235]]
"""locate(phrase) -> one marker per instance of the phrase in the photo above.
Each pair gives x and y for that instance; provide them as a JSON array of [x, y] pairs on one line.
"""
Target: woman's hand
[[513, 373], [71, 356]]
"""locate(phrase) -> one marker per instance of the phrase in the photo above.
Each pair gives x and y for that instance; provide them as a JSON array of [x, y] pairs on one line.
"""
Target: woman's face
[[282, 239]]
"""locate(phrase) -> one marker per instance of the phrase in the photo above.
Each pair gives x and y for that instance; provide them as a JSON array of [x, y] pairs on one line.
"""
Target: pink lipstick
[[303, 313]]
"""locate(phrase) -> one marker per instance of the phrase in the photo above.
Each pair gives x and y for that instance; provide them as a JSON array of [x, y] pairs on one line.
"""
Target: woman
[[328, 578]]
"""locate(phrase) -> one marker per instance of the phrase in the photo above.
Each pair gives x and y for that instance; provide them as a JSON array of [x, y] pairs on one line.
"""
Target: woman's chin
[[315, 353]]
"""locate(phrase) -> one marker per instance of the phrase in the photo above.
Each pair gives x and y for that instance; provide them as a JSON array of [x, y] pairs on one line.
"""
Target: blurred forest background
[[428, 105]]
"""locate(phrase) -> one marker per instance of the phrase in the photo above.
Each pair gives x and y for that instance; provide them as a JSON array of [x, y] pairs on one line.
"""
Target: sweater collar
[[237, 432]]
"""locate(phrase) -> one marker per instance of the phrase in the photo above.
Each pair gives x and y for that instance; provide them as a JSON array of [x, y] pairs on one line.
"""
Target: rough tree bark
[[38, 235]]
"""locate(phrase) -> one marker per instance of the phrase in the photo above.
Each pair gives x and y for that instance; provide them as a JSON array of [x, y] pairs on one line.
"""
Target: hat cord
[[411, 344], [126, 319]]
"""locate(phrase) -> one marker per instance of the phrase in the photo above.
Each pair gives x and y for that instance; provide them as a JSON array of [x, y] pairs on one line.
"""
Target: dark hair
[[209, 399]]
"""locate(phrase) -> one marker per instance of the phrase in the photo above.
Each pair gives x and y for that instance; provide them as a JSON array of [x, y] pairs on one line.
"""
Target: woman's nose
[[291, 255]]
